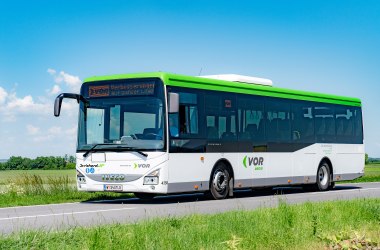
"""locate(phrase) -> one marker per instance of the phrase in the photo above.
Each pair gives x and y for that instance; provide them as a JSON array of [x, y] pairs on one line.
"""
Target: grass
[[328, 225], [45, 174], [371, 174], [32, 189]]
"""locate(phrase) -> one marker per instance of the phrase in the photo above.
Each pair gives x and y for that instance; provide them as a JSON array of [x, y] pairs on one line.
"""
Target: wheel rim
[[323, 175], [220, 181]]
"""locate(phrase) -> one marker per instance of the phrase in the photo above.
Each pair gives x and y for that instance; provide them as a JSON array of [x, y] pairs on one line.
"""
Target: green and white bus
[[163, 133]]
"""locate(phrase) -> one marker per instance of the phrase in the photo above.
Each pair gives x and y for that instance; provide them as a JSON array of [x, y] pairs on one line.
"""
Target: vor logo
[[253, 161], [141, 165]]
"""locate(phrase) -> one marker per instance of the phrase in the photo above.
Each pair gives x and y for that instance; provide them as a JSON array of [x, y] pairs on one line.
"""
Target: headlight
[[152, 177], [150, 180]]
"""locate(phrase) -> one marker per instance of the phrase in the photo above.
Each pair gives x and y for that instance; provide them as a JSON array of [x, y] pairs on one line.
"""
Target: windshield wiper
[[133, 149], [118, 147], [92, 149]]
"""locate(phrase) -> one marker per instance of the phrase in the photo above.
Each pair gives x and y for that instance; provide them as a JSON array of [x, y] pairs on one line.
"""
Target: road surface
[[62, 216]]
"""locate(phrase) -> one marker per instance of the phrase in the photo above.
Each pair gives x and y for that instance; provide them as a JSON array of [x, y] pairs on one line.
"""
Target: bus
[[162, 133]]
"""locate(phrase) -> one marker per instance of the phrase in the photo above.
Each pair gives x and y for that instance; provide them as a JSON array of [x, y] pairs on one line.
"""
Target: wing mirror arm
[[60, 97]]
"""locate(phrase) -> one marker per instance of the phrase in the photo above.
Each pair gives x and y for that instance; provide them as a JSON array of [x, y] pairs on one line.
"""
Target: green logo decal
[[245, 161], [257, 162], [101, 165], [136, 165]]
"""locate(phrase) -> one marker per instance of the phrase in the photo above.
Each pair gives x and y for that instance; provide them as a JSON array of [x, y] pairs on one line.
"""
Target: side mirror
[[173, 102], [58, 101]]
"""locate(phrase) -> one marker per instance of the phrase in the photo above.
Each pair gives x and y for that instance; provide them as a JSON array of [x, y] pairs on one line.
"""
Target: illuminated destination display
[[121, 89]]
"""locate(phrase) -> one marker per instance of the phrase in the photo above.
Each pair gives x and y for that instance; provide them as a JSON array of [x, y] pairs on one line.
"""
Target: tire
[[220, 182], [323, 177], [145, 196]]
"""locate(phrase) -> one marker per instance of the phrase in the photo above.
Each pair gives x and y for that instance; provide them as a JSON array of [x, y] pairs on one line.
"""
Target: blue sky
[[51, 46]]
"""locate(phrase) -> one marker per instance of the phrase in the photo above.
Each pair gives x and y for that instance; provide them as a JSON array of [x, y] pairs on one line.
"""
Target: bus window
[[188, 114], [303, 122], [324, 123], [278, 121], [251, 119], [220, 115]]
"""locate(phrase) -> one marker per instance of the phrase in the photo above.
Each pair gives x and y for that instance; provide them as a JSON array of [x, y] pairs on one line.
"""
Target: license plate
[[113, 187]]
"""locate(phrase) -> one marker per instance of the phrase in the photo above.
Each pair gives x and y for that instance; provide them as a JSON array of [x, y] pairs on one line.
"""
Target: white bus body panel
[[191, 172], [131, 165], [187, 172]]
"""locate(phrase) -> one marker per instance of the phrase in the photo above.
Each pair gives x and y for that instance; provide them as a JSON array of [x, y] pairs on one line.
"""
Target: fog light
[[151, 180], [81, 178]]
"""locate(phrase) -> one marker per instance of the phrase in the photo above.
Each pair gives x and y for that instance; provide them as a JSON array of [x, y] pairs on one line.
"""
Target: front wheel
[[220, 182]]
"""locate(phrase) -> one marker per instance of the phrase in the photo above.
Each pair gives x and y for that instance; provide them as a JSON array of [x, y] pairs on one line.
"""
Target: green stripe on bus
[[234, 87]]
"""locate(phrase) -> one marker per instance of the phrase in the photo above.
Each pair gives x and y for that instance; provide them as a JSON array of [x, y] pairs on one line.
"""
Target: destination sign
[[121, 89]]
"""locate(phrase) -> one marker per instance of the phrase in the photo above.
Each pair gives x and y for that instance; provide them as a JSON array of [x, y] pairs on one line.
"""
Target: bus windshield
[[122, 115]]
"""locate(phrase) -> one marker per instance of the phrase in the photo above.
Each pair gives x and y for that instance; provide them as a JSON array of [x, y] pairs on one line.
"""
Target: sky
[[50, 47]]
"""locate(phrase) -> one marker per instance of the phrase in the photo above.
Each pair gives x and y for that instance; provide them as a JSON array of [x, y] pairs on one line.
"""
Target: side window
[[220, 116], [358, 126], [348, 124], [278, 120], [303, 122], [185, 124], [344, 122], [251, 119], [324, 123]]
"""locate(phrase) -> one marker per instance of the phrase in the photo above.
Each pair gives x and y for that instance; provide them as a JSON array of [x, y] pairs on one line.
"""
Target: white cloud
[[3, 95], [71, 81], [51, 71], [25, 104], [55, 130], [32, 130], [55, 90], [71, 132]]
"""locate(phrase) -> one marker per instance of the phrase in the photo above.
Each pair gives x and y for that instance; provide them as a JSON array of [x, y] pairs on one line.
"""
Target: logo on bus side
[[141, 165], [258, 162]]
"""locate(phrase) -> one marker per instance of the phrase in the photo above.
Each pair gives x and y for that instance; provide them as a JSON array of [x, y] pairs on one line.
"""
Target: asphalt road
[[61, 216]]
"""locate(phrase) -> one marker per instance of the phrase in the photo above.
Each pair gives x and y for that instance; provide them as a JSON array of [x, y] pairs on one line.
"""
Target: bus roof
[[235, 87]]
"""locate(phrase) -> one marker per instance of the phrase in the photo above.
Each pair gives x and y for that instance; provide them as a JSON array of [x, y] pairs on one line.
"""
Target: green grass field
[[330, 225], [5, 176], [371, 174], [33, 187]]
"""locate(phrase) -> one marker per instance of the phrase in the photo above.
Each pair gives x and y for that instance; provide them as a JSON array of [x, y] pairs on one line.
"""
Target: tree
[[366, 159]]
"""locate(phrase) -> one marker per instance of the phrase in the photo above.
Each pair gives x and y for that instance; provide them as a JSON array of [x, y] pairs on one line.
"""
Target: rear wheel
[[145, 196], [220, 182], [323, 177]]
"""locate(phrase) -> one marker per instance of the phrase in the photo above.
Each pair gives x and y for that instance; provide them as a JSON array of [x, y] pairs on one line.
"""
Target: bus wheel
[[220, 182], [145, 196], [323, 177]]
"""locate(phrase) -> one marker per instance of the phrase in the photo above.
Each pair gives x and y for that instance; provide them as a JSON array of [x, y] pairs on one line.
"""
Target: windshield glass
[[126, 113]]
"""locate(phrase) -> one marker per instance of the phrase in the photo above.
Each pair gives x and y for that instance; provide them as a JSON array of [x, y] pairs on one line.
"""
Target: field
[[371, 174], [32, 187], [5, 176], [351, 224]]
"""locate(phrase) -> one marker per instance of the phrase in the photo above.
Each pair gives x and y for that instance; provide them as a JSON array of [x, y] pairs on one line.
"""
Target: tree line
[[42, 162]]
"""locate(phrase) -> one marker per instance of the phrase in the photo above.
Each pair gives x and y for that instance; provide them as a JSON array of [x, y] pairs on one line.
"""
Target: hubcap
[[323, 175], [219, 181]]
